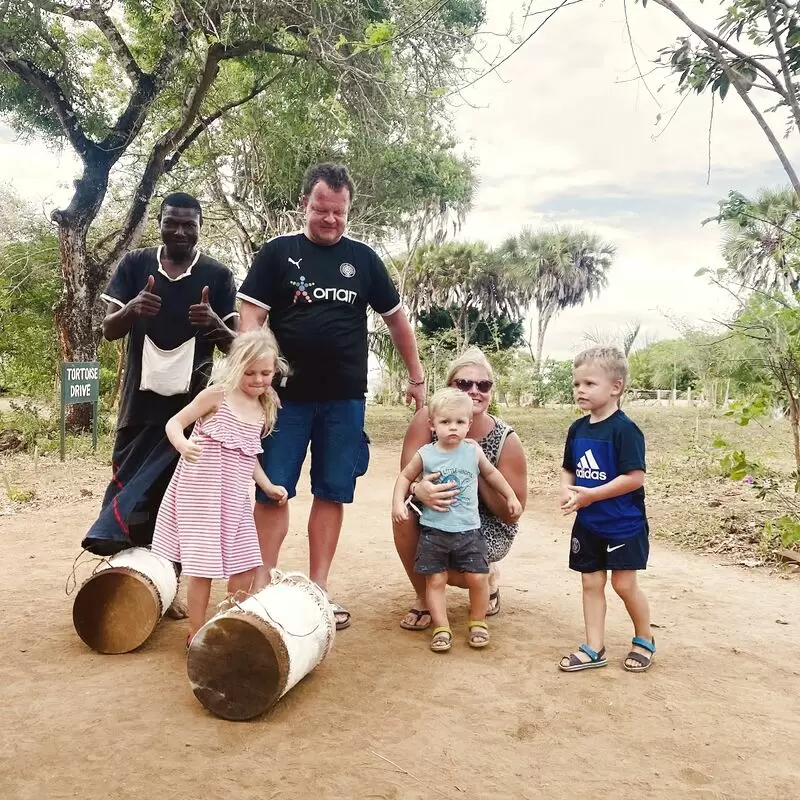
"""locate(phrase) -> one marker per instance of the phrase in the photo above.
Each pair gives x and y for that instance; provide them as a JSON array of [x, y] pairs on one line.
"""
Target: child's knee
[[593, 581], [437, 581], [624, 582]]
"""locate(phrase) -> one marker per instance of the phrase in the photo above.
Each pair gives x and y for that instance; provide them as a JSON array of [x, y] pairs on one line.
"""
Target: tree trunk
[[82, 279]]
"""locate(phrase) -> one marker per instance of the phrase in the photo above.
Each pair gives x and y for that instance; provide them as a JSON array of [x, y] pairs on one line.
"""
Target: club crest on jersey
[[589, 469], [347, 270]]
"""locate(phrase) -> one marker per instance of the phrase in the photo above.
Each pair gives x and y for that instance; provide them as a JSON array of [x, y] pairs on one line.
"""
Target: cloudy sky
[[565, 134]]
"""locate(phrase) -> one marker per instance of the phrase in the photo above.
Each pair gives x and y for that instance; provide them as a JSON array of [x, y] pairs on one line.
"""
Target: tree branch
[[105, 25], [170, 162], [712, 43], [52, 92], [787, 73]]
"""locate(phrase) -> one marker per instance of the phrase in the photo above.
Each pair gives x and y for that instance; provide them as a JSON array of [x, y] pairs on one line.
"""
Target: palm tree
[[761, 244], [463, 278], [557, 269]]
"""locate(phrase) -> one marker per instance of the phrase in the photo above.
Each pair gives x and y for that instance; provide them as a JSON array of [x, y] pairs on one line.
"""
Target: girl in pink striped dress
[[205, 522]]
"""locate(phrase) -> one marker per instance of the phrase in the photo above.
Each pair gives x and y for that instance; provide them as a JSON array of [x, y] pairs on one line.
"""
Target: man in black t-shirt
[[314, 288], [175, 305]]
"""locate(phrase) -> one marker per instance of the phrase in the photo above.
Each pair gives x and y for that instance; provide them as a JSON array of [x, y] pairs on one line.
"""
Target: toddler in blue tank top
[[452, 539]]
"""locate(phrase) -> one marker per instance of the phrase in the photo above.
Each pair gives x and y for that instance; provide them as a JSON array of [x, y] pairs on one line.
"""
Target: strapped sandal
[[644, 662], [494, 603], [478, 633], [576, 664], [418, 613], [340, 611], [442, 639]]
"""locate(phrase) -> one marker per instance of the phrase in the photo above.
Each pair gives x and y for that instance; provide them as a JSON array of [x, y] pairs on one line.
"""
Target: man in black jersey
[[174, 305], [314, 288]]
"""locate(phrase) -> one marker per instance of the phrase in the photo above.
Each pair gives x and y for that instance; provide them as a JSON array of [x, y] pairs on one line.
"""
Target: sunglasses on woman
[[465, 385]]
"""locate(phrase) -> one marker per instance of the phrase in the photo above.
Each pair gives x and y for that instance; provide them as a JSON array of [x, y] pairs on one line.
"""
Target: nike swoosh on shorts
[[610, 549]]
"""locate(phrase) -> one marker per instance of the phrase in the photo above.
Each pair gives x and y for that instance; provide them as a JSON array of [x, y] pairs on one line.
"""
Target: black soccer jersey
[[317, 300]]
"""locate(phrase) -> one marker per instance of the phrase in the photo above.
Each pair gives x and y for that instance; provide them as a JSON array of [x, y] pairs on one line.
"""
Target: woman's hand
[[436, 496]]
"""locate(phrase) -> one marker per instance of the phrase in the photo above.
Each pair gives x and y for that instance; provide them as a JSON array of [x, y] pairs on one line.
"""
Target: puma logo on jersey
[[296, 263], [589, 469]]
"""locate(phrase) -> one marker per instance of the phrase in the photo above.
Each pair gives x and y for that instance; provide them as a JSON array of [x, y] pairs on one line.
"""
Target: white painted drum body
[[244, 659], [119, 606]]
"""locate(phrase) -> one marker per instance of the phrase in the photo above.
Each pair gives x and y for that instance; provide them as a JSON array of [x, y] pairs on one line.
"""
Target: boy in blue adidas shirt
[[603, 484]]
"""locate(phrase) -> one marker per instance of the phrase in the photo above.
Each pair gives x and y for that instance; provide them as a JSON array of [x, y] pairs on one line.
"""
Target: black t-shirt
[[317, 300], [169, 328]]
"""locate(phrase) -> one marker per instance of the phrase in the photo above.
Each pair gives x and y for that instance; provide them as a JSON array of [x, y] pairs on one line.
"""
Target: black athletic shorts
[[592, 553]]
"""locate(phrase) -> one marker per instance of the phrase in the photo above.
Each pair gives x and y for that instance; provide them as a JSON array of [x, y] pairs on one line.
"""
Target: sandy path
[[717, 717]]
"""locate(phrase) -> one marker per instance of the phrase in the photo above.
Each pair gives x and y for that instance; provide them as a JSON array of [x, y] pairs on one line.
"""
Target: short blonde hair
[[473, 357], [449, 398], [610, 359]]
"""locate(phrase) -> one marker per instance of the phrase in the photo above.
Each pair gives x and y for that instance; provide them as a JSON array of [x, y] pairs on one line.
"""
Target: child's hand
[[580, 497], [400, 512], [514, 508], [564, 496], [277, 493], [191, 450]]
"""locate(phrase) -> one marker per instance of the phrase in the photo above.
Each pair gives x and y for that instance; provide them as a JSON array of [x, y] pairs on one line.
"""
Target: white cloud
[[566, 137]]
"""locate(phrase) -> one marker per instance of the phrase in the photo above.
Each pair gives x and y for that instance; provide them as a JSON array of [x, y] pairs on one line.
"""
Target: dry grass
[[689, 501]]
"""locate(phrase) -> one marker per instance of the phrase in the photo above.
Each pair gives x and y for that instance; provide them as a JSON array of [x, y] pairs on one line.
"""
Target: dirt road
[[718, 716]]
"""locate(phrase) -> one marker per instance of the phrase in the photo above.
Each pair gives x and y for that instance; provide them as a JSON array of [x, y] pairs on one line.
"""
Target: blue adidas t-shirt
[[597, 453]]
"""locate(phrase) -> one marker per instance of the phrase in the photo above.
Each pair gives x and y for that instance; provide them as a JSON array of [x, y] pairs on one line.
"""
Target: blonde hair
[[610, 359], [473, 357], [449, 398], [245, 349]]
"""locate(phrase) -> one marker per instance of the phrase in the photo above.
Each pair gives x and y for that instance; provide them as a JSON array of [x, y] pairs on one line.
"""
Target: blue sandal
[[575, 664], [643, 662]]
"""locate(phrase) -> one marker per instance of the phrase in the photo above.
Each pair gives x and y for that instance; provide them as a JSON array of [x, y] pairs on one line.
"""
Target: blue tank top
[[461, 467]]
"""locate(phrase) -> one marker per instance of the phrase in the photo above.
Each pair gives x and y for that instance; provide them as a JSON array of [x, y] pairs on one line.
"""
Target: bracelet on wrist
[[417, 383]]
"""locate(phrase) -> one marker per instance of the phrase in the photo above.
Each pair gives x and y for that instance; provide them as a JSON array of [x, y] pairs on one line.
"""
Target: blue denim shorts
[[339, 448]]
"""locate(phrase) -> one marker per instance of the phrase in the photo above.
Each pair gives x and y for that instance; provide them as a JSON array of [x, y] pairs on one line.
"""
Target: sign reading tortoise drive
[[80, 383]]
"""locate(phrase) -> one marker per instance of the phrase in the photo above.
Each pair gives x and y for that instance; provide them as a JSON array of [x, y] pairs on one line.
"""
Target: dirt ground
[[717, 717]]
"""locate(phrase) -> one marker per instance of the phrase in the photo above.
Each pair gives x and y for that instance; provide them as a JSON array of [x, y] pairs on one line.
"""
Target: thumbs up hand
[[201, 315], [146, 303]]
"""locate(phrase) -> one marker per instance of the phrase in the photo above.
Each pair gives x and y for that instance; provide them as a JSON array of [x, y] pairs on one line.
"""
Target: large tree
[[557, 269], [136, 84]]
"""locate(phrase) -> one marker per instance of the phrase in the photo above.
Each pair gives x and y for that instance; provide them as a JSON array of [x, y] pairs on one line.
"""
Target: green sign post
[[80, 383]]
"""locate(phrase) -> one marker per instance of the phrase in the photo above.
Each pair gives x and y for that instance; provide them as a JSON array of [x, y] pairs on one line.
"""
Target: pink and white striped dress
[[206, 518]]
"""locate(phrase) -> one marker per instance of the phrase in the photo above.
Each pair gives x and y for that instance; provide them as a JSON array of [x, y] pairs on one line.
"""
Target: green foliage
[[761, 244], [30, 283], [494, 332], [38, 426]]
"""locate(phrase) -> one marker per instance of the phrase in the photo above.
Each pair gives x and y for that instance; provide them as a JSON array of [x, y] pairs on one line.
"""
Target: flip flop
[[494, 603], [418, 613]]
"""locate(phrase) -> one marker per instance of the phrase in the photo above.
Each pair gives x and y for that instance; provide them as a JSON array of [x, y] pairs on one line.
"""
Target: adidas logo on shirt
[[589, 469]]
